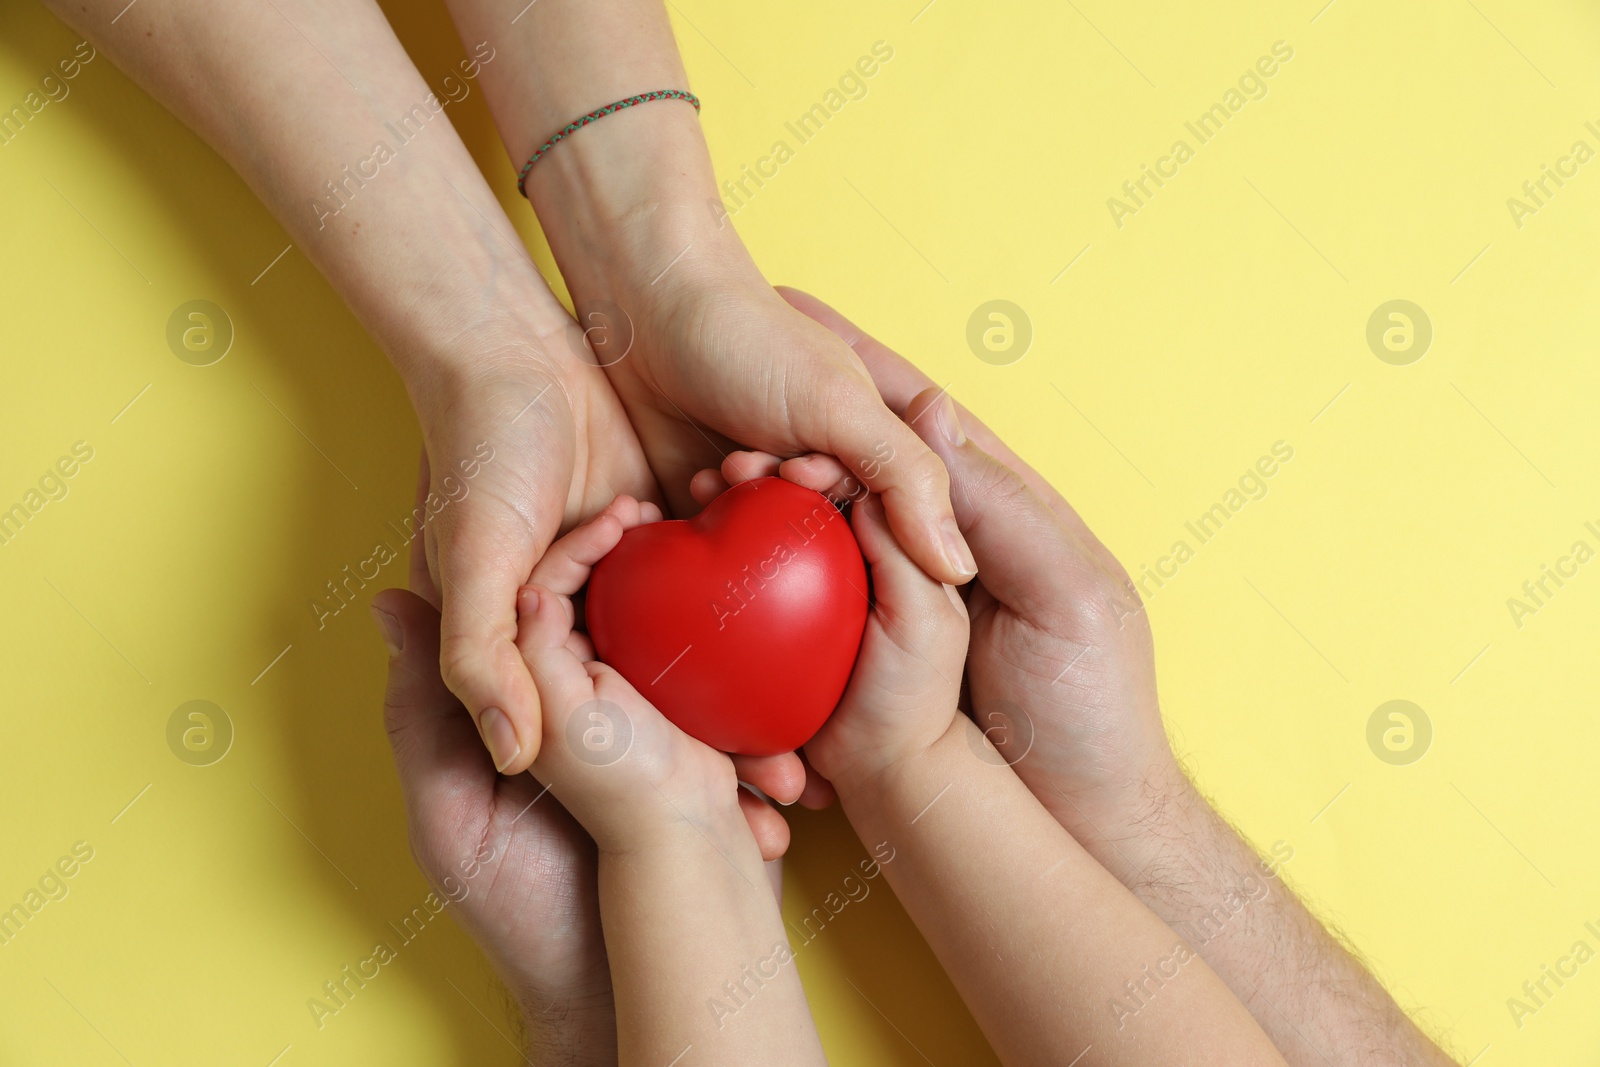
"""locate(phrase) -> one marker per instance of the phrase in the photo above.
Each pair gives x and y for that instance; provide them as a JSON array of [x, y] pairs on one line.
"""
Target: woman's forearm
[[630, 201], [319, 109]]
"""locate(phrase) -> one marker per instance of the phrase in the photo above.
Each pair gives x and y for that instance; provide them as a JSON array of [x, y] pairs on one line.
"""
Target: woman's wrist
[[630, 207]]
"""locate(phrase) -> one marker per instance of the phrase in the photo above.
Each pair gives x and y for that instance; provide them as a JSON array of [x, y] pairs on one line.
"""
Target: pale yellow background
[[1223, 317]]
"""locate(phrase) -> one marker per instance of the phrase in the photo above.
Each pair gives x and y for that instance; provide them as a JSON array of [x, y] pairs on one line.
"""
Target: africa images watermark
[[53, 885], [1252, 485], [1536, 992], [737, 993], [1252, 85], [1537, 192], [52, 485], [852, 85], [343, 592], [338, 991], [1538, 591], [51, 90], [342, 191], [1140, 991]]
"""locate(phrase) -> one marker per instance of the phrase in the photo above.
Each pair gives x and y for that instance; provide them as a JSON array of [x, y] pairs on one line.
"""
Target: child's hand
[[904, 691], [612, 759], [1061, 671]]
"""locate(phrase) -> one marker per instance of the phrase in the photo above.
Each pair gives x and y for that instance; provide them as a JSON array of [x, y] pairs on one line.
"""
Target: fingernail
[[956, 550], [949, 422], [394, 638], [497, 733]]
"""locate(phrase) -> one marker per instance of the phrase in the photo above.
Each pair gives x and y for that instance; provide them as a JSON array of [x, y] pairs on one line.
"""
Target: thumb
[[483, 552], [435, 746], [891, 460], [1028, 557]]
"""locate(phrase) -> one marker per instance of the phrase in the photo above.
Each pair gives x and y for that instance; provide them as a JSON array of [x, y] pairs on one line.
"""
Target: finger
[[435, 746], [780, 777], [544, 628], [899, 380], [707, 485], [740, 467], [420, 581], [823, 474], [1030, 561], [922, 615], [565, 567], [768, 827], [649, 511], [819, 792]]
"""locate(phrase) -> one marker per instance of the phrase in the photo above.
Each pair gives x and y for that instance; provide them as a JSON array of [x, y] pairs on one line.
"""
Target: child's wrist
[[885, 781]]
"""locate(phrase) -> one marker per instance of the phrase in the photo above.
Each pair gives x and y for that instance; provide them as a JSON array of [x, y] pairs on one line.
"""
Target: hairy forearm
[[1048, 951], [699, 956], [319, 109], [1312, 996]]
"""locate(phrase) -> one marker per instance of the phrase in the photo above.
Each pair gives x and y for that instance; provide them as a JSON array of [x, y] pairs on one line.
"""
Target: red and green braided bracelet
[[594, 116]]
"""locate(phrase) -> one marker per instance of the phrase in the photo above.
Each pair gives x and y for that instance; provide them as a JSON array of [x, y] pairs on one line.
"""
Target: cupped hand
[[623, 769], [517, 870], [521, 444], [717, 357], [1061, 670]]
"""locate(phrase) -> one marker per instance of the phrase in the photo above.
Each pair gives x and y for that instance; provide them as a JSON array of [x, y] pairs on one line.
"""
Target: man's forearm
[[319, 109], [1316, 1000]]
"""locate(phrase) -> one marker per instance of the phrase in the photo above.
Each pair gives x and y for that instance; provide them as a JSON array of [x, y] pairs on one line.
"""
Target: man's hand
[[1061, 676]]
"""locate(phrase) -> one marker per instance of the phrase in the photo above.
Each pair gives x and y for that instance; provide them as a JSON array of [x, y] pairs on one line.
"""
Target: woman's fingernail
[[498, 735], [949, 422], [956, 550], [394, 638]]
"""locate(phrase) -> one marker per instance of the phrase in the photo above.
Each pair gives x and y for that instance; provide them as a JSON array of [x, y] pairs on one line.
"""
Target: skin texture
[[701, 351], [1037, 936], [684, 899], [1060, 641], [520, 873]]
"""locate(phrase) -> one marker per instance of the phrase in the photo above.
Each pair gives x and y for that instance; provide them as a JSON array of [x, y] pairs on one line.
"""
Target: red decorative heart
[[741, 624]]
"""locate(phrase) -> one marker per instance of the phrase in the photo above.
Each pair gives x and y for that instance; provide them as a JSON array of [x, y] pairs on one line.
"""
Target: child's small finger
[[748, 466], [767, 826], [542, 623], [649, 512], [780, 777], [580, 646], [819, 792], [706, 486], [565, 567], [823, 473], [921, 611]]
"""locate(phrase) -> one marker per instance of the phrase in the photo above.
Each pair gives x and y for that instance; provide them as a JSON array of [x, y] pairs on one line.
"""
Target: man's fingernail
[[949, 422], [956, 550], [499, 736], [394, 638]]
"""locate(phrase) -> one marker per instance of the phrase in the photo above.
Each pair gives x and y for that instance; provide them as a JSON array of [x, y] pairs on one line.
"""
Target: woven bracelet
[[595, 116]]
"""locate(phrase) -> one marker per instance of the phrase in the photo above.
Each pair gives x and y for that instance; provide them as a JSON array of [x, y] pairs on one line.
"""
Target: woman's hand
[[523, 441]]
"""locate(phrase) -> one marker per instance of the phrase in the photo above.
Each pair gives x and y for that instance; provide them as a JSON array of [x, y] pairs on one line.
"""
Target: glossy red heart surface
[[741, 624]]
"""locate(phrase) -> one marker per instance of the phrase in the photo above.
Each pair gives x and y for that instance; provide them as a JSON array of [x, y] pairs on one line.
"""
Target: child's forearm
[[1049, 952], [1300, 982], [699, 957]]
